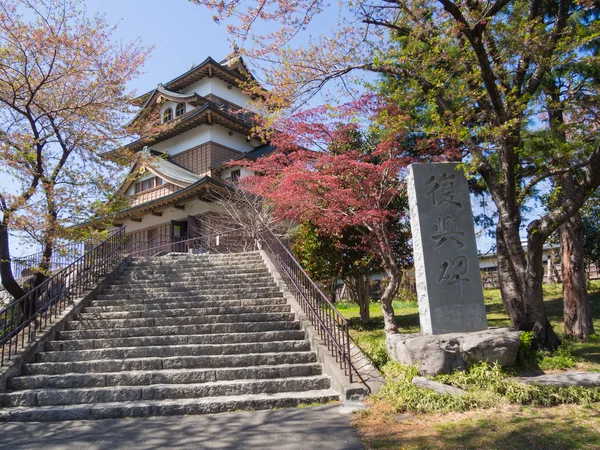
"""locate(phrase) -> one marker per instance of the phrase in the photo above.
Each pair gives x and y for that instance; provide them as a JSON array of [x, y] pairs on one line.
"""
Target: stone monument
[[454, 330], [447, 273]]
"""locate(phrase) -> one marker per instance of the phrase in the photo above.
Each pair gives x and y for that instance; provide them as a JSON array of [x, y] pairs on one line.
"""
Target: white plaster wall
[[203, 134], [185, 141], [202, 87], [192, 207], [219, 88]]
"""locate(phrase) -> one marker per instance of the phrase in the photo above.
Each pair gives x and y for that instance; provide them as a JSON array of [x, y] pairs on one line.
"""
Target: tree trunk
[[8, 280], [394, 273], [389, 320], [521, 280], [362, 296], [44, 268], [577, 309]]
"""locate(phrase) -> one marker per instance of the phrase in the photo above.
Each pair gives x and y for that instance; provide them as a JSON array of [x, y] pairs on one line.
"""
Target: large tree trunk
[[8, 280], [577, 309], [521, 279]]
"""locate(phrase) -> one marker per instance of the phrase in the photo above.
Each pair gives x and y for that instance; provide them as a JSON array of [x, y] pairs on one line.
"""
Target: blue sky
[[182, 34]]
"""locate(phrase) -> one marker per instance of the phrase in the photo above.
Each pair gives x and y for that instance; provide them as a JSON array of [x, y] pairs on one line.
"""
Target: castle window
[[235, 175], [167, 115], [180, 109], [147, 184]]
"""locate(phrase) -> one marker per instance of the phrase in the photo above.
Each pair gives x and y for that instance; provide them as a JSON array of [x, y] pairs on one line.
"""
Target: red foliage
[[332, 188]]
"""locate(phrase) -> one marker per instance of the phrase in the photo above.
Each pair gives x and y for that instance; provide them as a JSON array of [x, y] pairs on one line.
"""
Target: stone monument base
[[445, 353]]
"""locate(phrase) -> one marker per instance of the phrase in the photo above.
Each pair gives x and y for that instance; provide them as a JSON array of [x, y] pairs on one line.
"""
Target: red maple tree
[[341, 168]]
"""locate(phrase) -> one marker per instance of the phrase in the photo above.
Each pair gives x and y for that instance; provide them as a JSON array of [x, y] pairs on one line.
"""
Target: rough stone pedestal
[[445, 353]]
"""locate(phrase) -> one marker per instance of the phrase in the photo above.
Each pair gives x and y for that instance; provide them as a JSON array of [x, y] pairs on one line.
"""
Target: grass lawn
[[371, 337], [565, 427], [506, 426]]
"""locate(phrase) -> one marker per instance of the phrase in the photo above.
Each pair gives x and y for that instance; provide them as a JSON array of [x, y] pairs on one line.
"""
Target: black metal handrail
[[235, 240], [64, 254], [22, 319], [332, 327]]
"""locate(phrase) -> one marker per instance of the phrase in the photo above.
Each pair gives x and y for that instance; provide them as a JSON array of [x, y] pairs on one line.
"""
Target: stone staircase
[[177, 334]]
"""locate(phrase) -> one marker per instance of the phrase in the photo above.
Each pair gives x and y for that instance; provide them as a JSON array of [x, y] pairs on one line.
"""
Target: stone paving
[[322, 427]]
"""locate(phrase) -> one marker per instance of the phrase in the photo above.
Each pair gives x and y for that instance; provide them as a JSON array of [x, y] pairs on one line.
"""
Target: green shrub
[[486, 386], [406, 397], [526, 357], [560, 359]]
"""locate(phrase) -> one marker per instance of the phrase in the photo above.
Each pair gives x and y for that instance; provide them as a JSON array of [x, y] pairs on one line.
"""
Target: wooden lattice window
[[180, 109]]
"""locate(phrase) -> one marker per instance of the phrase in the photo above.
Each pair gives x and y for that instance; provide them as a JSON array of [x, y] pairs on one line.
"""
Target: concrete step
[[100, 306], [185, 298], [174, 321], [167, 351], [214, 328], [48, 397], [205, 405], [151, 377], [182, 312], [175, 362], [144, 341]]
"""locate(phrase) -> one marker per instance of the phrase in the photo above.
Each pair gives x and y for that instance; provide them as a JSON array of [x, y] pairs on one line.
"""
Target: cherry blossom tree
[[63, 104]]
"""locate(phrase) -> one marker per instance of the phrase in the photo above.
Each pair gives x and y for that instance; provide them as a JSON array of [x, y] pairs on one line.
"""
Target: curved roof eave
[[161, 91], [185, 120]]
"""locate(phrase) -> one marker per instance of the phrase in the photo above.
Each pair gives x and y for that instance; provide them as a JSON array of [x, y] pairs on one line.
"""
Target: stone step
[[184, 275], [208, 294], [185, 298], [182, 312], [157, 262], [192, 282], [48, 397], [200, 290], [96, 306], [175, 321], [198, 266], [190, 287], [150, 377], [229, 338], [191, 278], [167, 351], [214, 328], [247, 256], [175, 362], [205, 405]]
